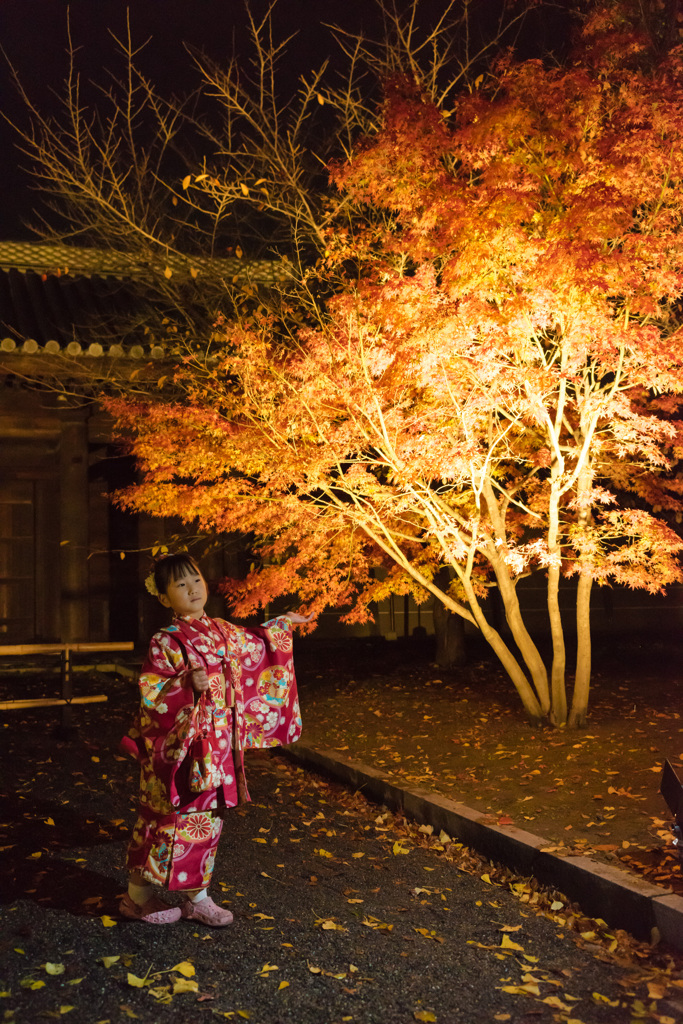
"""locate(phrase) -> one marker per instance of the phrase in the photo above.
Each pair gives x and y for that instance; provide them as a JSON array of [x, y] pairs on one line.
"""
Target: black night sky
[[33, 37]]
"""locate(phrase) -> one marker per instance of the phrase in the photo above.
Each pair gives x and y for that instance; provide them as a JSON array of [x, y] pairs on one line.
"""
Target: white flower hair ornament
[[150, 585]]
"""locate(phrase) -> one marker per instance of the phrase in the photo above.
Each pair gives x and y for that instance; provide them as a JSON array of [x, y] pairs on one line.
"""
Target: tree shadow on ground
[[46, 853]]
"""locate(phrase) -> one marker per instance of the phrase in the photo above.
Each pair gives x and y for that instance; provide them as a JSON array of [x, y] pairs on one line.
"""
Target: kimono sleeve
[[263, 674], [164, 726]]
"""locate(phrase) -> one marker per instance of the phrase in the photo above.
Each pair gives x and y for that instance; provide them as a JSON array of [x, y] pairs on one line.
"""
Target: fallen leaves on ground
[[586, 792]]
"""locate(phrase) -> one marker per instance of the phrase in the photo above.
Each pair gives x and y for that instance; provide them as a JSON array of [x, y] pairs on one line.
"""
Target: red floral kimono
[[176, 834]]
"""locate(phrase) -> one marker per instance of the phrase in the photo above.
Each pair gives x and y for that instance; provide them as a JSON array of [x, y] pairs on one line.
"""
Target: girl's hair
[[171, 568]]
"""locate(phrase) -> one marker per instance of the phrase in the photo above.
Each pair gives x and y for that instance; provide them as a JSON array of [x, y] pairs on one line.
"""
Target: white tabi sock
[[139, 893], [200, 896]]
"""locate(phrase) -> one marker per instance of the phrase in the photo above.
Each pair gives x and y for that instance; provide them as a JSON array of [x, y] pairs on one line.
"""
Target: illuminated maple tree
[[476, 364], [495, 387]]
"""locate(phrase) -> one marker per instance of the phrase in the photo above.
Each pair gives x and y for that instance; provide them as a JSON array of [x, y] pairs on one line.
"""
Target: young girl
[[209, 690]]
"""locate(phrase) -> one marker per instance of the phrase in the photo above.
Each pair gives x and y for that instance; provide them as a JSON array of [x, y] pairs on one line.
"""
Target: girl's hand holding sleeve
[[199, 680]]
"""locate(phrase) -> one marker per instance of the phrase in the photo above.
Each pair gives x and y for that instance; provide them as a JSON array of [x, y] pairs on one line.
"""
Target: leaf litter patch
[[592, 792]]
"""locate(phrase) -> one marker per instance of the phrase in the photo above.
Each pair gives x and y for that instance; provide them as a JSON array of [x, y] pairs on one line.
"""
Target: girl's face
[[186, 595]]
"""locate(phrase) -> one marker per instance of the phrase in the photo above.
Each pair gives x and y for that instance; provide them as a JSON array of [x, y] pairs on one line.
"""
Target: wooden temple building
[[71, 562]]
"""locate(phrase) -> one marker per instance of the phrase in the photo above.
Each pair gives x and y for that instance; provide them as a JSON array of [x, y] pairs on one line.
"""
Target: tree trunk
[[558, 707], [526, 645], [558, 691], [582, 681], [451, 650], [579, 711], [533, 708]]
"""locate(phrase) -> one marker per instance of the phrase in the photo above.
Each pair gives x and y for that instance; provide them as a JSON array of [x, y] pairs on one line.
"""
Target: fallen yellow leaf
[[357, 855], [283, 984], [374, 922], [265, 970], [184, 985], [162, 994], [424, 1015], [604, 999], [428, 934], [108, 921], [54, 968], [135, 981], [507, 943], [185, 968], [556, 1002], [109, 960], [521, 990], [397, 848]]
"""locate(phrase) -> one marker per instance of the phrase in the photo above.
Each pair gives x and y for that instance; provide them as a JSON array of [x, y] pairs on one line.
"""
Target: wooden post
[[67, 691], [73, 548], [74, 530]]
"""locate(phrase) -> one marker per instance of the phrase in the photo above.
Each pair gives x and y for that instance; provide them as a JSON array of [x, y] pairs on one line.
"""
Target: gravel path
[[342, 913]]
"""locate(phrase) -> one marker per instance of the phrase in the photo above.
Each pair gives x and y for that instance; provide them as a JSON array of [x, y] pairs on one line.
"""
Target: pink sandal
[[153, 911], [206, 912]]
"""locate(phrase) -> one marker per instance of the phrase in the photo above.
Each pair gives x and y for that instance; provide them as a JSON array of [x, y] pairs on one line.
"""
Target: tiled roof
[[50, 293], [44, 258]]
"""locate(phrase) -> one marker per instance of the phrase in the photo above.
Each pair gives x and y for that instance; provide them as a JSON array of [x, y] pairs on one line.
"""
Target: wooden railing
[[67, 698]]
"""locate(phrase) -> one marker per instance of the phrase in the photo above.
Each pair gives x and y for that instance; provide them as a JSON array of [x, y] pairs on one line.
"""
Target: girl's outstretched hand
[[296, 619]]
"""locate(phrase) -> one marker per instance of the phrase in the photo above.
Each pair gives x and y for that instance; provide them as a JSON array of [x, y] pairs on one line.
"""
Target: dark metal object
[[672, 791]]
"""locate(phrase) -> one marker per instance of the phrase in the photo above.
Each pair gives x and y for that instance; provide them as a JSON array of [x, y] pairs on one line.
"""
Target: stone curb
[[621, 899]]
